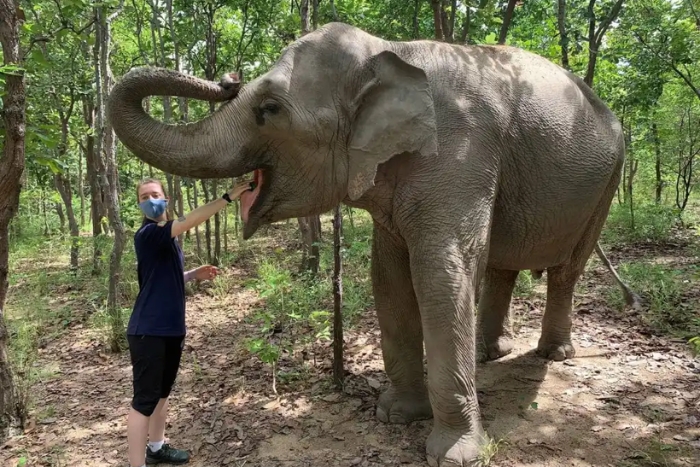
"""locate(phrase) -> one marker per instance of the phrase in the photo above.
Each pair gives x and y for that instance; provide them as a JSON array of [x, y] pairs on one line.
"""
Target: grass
[[669, 306]]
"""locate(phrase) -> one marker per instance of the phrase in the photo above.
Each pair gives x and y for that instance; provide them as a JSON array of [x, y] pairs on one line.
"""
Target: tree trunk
[[464, 38], [437, 19], [12, 407], [304, 13], [314, 15], [197, 237], [207, 223], [416, 24], [47, 230], [62, 181], [62, 184], [81, 188], [563, 34], [217, 227], [310, 236], [338, 367], [61, 218], [506, 22], [94, 174], [106, 142], [595, 36], [657, 164]]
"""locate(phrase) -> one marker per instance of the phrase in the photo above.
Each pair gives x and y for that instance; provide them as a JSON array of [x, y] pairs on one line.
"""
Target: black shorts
[[155, 362]]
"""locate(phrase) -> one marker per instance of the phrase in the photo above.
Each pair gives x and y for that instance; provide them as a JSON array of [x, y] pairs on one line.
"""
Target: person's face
[[150, 190]]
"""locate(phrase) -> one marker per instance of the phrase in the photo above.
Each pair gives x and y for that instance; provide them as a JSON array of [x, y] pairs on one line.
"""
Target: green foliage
[[664, 290], [650, 223], [296, 309]]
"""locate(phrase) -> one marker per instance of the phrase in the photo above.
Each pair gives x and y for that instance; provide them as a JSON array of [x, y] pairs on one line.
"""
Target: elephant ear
[[393, 114]]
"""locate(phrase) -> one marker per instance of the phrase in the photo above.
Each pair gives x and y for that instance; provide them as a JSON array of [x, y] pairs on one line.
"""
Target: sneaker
[[167, 455]]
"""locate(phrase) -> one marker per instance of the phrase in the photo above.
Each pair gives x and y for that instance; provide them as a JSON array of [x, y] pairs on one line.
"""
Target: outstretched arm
[[201, 273], [202, 213]]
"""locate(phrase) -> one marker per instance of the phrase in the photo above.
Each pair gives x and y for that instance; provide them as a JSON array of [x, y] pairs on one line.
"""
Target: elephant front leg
[[402, 337], [495, 333], [445, 284]]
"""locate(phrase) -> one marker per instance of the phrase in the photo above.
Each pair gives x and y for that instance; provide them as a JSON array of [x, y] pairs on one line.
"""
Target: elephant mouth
[[249, 197]]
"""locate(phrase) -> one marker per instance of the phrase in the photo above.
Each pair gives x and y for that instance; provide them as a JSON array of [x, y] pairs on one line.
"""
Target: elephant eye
[[271, 107]]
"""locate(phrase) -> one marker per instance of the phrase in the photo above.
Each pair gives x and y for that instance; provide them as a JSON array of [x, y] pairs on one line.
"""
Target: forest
[[282, 364]]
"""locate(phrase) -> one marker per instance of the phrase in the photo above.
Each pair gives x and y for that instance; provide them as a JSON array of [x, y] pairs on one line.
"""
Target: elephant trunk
[[204, 149]]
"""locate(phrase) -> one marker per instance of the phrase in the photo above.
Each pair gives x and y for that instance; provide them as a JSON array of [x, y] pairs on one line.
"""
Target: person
[[156, 329]]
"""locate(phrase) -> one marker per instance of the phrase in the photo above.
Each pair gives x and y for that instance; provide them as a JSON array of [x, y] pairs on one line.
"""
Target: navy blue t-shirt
[[159, 309]]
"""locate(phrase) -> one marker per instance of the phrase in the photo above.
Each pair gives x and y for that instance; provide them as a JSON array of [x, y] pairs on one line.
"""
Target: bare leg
[[402, 336], [137, 433], [494, 327], [156, 426]]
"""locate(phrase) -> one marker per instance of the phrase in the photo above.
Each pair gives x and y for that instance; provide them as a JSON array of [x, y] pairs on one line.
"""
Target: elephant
[[474, 162]]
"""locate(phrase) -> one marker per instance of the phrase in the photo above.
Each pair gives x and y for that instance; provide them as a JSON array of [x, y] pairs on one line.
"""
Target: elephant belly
[[537, 232]]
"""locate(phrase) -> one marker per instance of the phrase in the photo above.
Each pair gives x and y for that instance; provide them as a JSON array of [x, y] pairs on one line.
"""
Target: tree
[[107, 147], [310, 226], [12, 410]]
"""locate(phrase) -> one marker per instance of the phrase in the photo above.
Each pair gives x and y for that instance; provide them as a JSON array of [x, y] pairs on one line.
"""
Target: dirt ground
[[628, 398]]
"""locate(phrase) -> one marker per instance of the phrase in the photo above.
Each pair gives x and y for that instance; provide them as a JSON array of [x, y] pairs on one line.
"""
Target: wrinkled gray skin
[[474, 162]]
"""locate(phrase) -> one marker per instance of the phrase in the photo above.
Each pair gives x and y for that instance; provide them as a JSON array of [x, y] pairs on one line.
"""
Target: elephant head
[[313, 129]]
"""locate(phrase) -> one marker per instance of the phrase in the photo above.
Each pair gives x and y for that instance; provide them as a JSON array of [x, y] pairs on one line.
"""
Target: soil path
[[627, 399]]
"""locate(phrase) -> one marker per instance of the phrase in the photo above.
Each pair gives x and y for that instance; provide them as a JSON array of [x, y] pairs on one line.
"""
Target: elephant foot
[[403, 408], [556, 351], [496, 349], [447, 448]]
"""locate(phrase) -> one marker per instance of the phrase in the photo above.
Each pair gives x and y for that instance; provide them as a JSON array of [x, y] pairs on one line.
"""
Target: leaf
[[37, 56]]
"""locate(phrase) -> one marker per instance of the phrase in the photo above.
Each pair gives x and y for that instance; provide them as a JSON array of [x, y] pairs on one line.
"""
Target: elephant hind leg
[[555, 340], [494, 324]]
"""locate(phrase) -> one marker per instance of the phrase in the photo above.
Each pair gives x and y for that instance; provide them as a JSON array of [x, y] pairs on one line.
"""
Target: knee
[[145, 405]]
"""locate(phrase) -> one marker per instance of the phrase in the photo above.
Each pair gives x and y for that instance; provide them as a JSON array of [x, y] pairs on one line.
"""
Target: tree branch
[[607, 21]]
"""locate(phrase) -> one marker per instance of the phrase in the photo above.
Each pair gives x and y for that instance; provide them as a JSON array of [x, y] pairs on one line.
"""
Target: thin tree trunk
[[107, 142], [416, 24], [61, 218], [506, 22], [217, 227], [304, 13], [42, 196], [563, 34], [464, 38], [310, 236], [437, 19], [314, 15], [198, 238], [94, 169], [595, 36], [657, 164], [334, 12], [62, 184], [12, 407], [81, 188], [338, 367], [207, 223]]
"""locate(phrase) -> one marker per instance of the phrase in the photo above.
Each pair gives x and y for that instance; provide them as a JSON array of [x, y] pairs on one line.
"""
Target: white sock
[[155, 445]]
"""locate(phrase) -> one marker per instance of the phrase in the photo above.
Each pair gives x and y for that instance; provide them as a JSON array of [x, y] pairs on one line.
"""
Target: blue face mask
[[153, 208]]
